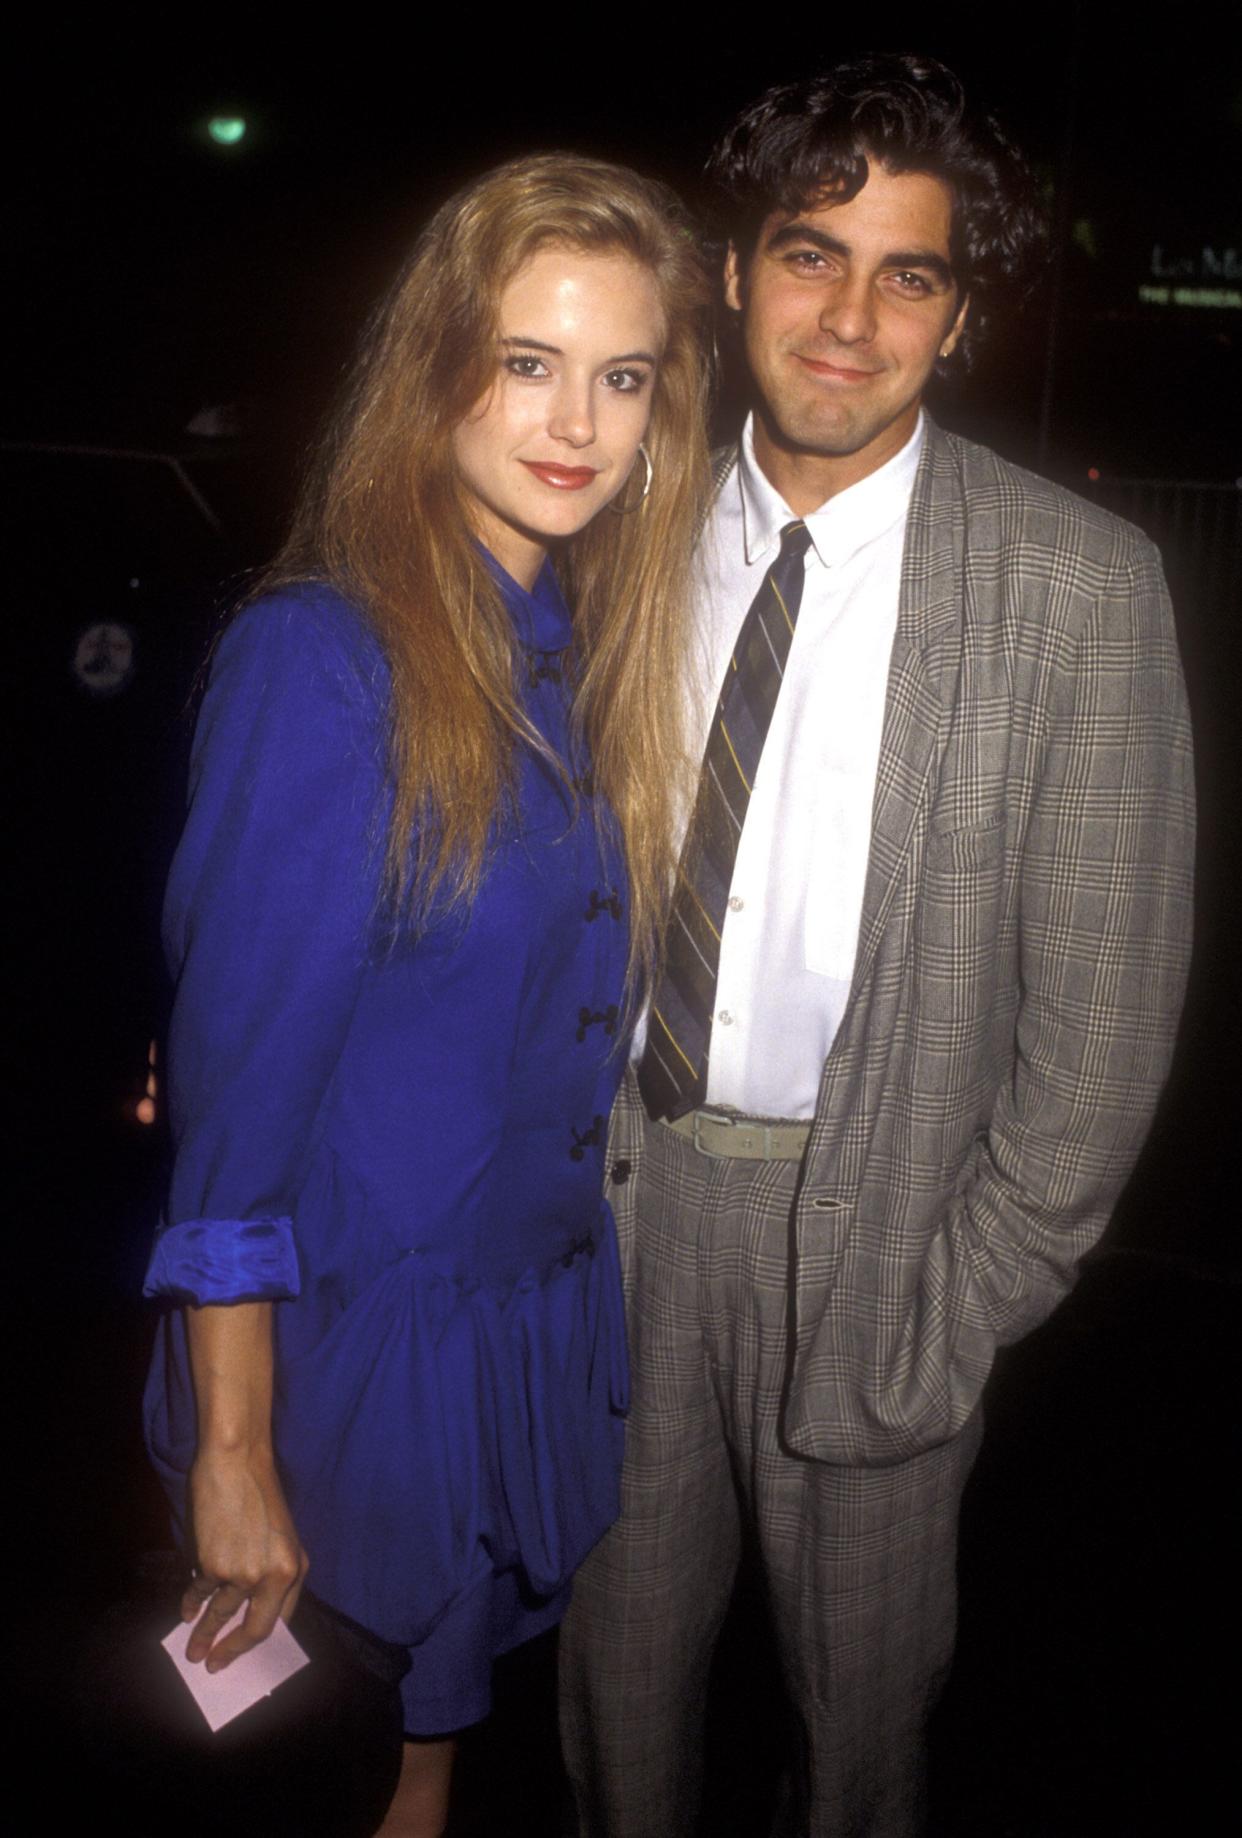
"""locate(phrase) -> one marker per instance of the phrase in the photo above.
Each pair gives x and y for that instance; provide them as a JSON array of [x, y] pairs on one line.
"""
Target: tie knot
[[795, 539]]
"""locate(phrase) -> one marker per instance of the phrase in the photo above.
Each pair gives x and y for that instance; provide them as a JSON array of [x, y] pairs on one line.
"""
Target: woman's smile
[[562, 478]]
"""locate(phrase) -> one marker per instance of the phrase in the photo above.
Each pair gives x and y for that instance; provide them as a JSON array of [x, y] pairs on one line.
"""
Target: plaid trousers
[[859, 1562]]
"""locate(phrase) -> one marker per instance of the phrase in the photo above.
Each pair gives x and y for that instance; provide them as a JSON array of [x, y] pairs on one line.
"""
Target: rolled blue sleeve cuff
[[207, 1261]]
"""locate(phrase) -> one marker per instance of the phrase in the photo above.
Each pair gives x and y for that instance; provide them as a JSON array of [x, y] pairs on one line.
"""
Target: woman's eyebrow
[[537, 344]]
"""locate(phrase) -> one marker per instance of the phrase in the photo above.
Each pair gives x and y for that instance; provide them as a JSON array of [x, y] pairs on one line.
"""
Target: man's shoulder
[[1006, 506]]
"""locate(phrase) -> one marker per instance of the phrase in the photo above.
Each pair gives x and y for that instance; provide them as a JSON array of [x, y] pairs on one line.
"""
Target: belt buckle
[[700, 1147], [721, 1120]]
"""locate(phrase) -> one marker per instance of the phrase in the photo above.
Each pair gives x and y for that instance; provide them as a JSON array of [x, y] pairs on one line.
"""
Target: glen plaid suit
[[1020, 967]]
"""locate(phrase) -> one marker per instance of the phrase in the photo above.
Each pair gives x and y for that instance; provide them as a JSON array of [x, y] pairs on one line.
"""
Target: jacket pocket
[[966, 846], [963, 978]]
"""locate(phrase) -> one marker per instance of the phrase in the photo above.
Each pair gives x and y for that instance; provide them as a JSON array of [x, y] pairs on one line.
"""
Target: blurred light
[[1093, 472], [1207, 296], [1084, 237], [145, 1110], [226, 130], [1190, 296]]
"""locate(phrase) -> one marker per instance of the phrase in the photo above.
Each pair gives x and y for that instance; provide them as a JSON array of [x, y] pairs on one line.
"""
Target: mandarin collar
[[842, 526], [540, 616]]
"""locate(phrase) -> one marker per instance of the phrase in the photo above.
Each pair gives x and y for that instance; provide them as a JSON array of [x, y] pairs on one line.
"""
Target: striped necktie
[[672, 1074]]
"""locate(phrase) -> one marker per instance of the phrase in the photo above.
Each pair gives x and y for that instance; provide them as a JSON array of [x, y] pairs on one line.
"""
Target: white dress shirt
[[791, 929]]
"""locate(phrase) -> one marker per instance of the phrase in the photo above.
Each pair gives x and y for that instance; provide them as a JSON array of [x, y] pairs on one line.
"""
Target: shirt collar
[[842, 526], [540, 616]]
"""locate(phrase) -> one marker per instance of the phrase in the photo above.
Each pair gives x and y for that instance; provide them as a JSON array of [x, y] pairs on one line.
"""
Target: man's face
[[845, 309]]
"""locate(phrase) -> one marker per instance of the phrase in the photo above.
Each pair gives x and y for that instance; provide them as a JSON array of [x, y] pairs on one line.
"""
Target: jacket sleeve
[[1105, 931], [267, 924]]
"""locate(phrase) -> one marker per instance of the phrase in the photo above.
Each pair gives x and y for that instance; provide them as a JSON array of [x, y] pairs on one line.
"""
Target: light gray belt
[[714, 1132]]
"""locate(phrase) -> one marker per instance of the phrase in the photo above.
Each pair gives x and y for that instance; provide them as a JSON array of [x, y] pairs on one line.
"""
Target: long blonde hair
[[384, 517]]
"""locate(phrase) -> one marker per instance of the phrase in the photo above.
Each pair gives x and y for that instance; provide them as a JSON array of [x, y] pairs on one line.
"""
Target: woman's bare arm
[[246, 1544]]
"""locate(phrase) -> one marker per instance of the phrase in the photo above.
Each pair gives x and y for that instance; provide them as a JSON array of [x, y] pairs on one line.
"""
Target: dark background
[[157, 276]]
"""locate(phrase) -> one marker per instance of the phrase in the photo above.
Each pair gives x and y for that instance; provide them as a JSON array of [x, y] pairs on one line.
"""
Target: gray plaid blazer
[[1021, 960]]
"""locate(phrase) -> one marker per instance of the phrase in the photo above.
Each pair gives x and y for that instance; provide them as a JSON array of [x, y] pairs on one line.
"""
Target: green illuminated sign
[[1190, 296]]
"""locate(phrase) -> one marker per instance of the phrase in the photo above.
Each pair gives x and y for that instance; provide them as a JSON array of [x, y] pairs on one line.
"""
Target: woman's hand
[[247, 1545], [248, 1551]]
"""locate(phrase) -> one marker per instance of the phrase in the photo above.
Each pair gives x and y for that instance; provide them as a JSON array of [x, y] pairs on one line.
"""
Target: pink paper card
[[221, 1696]]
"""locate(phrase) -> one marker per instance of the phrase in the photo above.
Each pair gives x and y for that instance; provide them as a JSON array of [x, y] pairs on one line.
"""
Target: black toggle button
[[606, 1016], [619, 1173], [587, 1140], [543, 666], [612, 905]]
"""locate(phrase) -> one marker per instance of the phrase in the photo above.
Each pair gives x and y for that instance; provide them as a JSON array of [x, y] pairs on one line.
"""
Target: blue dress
[[399, 1142]]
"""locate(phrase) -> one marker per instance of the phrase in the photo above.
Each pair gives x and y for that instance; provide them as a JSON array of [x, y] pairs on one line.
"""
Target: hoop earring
[[624, 510]]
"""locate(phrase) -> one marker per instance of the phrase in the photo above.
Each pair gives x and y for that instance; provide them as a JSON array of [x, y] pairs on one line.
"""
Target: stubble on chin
[[797, 430]]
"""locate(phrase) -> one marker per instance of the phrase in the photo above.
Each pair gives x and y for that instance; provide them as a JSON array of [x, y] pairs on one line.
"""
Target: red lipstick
[[563, 478]]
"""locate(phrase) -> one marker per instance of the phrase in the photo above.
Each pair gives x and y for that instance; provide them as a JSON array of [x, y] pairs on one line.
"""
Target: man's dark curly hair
[[806, 143]]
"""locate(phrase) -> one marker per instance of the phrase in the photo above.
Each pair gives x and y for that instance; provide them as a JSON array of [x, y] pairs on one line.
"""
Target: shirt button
[[725, 1018], [736, 903]]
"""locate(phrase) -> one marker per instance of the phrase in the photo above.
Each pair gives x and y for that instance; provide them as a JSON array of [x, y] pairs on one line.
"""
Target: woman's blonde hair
[[384, 517]]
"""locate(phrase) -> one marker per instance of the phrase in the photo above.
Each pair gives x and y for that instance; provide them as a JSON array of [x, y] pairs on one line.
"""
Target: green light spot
[[226, 130], [1085, 237]]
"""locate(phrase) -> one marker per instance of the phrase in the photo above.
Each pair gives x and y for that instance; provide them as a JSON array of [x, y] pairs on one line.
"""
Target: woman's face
[[555, 435]]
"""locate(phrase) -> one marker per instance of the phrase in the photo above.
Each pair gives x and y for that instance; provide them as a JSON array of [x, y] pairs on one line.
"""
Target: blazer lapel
[[921, 682]]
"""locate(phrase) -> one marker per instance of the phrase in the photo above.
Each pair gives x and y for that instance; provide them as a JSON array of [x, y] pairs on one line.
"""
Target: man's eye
[[525, 365], [806, 258], [911, 283]]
